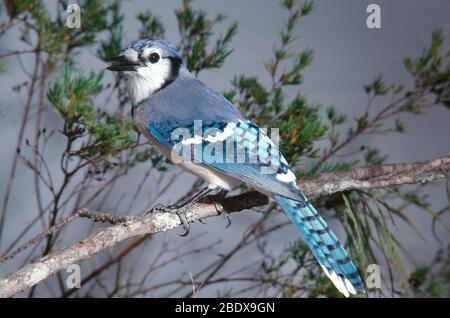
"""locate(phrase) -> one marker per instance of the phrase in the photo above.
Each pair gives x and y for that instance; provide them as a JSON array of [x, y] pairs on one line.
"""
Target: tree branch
[[379, 176], [364, 178]]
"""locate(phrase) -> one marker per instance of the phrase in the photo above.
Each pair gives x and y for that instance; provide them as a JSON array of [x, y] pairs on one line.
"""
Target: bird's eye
[[153, 58]]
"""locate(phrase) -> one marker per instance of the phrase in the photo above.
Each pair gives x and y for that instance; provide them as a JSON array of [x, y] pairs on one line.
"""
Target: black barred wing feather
[[242, 150]]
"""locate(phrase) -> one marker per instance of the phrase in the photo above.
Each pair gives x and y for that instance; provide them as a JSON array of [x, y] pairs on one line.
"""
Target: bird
[[178, 113]]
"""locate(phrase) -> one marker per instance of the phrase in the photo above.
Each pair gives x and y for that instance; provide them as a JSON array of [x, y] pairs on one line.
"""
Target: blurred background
[[347, 56]]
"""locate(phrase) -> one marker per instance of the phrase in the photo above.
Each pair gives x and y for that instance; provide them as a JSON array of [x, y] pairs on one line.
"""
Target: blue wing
[[246, 153]]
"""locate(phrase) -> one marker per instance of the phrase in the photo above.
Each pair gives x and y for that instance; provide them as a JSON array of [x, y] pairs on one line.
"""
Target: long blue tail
[[324, 244]]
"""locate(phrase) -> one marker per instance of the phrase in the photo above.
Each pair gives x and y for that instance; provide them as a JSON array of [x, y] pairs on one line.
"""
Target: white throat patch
[[148, 79]]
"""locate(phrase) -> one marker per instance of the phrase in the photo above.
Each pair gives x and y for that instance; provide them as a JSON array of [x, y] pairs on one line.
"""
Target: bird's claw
[[221, 210], [182, 215], [179, 211], [228, 217]]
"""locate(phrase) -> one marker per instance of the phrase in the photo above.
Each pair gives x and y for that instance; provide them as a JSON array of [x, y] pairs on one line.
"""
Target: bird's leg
[[181, 210], [216, 200]]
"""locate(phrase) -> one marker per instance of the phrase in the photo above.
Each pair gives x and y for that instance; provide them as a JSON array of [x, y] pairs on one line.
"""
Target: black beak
[[121, 63]]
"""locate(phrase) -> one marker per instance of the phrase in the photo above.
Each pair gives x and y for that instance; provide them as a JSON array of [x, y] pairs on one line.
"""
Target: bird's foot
[[180, 211], [223, 212], [216, 200]]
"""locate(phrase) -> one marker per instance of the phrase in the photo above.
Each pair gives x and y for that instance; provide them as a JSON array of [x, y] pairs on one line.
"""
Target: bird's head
[[149, 65]]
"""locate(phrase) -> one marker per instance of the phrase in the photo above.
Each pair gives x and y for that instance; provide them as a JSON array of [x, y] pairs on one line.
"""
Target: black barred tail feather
[[324, 244]]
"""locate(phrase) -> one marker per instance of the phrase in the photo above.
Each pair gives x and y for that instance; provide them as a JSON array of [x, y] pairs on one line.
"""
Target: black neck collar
[[175, 70]]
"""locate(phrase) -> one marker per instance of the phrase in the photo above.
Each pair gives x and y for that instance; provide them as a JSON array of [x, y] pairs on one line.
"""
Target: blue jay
[[165, 97]]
